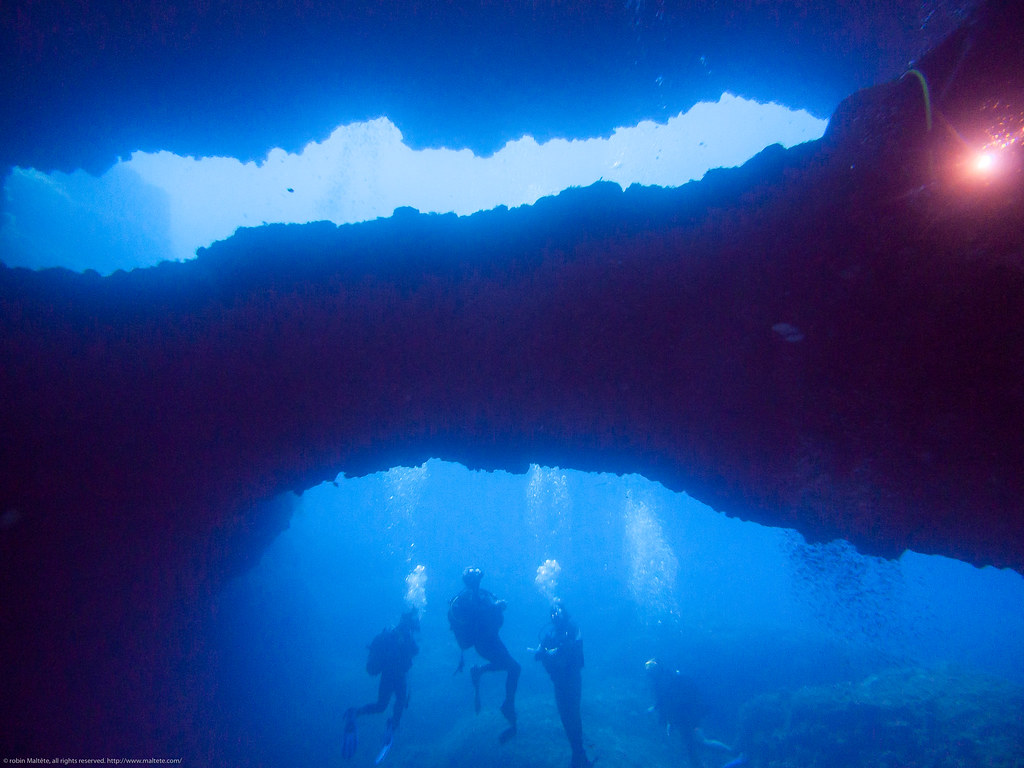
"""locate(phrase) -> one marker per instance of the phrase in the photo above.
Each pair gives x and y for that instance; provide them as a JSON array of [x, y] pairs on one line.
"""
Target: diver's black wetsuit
[[677, 700], [680, 705], [491, 648], [390, 656], [476, 616], [396, 653], [561, 653]]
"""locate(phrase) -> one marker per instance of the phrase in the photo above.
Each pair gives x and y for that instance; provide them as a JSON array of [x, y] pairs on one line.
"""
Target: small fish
[[788, 332]]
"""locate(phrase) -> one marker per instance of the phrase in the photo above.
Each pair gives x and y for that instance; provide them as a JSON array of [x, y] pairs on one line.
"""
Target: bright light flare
[[985, 163], [997, 157]]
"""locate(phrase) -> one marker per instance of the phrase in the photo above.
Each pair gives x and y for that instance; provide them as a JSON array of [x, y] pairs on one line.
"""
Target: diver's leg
[[508, 707], [568, 694], [384, 691], [511, 684], [474, 675], [494, 652], [499, 660], [401, 702], [397, 685], [502, 660]]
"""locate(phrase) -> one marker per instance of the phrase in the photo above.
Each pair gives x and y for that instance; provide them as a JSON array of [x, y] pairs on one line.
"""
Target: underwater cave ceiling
[[85, 83], [828, 338]]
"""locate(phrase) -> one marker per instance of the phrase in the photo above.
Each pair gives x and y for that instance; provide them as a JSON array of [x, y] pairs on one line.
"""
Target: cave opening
[[750, 611]]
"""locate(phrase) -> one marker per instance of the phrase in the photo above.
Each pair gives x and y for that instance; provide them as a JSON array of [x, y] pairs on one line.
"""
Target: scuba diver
[[679, 705], [561, 653], [475, 616], [390, 656]]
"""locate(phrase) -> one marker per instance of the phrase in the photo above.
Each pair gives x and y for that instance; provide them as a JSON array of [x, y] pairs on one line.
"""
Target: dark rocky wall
[[148, 416]]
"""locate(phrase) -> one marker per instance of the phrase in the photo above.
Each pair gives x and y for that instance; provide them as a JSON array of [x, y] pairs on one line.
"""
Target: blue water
[[746, 610]]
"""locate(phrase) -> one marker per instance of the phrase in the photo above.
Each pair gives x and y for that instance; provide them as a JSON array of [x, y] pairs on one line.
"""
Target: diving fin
[[389, 739], [350, 739]]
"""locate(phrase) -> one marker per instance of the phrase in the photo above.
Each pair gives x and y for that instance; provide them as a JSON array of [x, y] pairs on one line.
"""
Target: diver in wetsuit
[[679, 705], [475, 616], [561, 653], [390, 656]]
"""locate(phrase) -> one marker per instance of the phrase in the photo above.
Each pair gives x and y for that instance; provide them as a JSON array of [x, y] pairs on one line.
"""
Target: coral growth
[[914, 717]]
